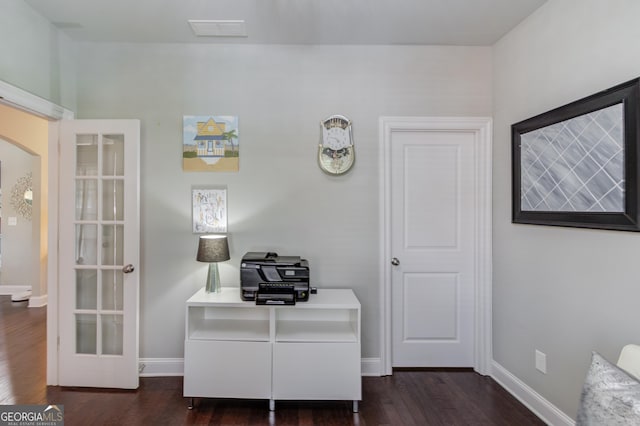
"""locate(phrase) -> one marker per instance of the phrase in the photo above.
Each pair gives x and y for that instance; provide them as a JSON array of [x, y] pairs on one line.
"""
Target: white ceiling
[[442, 22]]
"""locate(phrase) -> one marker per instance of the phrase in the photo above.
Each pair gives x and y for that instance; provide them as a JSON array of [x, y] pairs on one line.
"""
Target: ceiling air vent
[[209, 28]]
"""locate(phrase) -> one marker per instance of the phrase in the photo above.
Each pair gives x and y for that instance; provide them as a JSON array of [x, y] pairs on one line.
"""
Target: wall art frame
[[210, 143], [578, 165], [209, 209]]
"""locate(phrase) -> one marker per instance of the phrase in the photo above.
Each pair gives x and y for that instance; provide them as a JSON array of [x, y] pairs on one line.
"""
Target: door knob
[[127, 269], [395, 261]]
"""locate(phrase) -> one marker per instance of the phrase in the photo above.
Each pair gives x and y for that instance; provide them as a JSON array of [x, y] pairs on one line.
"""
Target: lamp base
[[213, 279]]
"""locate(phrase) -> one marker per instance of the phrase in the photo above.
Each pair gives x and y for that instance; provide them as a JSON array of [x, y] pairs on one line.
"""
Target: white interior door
[[433, 211], [99, 253]]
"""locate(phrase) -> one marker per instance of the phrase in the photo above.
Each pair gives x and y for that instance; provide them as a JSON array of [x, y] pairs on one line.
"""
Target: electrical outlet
[[541, 362]]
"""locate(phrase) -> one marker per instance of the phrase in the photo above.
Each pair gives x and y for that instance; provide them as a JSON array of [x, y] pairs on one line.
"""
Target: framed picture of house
[[210, 143], [209, 210], [578, 165]]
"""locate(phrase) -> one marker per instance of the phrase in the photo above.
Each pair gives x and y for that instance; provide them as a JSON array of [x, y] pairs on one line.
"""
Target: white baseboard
[[38, 301], [8, 290], [162, 367], [34, 301], [371, 367], [542, 408]]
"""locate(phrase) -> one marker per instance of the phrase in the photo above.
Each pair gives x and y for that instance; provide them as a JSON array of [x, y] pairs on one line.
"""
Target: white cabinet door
[[226, 369], [316, 371], [99, 253]]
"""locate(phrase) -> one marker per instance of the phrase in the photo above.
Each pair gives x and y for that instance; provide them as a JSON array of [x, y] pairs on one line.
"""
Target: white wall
[[563, 291], [34, 55], [17, 248], [279, 200]]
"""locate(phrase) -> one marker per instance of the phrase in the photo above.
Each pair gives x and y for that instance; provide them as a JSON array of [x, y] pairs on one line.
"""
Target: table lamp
[[213, 249]]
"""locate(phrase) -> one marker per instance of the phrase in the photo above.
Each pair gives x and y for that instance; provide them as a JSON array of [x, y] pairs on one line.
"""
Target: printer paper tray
[[276, 295]]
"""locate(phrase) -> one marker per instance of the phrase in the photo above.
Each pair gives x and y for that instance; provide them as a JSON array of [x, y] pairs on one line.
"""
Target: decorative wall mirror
[[22, 196]]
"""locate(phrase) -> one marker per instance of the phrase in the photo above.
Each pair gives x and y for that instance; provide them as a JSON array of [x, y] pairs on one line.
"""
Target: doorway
[[16, 226], [435, 214], [25, 138], [42, 140]]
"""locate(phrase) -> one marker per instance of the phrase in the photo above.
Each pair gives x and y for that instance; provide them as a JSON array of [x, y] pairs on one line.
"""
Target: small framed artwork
[[579, 165], [209, 210], [210, 143]]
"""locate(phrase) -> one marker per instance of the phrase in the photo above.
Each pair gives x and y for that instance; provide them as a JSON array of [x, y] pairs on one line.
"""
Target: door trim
[[21, 99], [26, 101], [481, 127]]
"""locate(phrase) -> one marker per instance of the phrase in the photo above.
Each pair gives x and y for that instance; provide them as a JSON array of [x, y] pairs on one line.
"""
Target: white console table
[[237, 349]]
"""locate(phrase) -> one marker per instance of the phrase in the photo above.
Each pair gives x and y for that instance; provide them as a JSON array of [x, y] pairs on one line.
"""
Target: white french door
[[99, 253]]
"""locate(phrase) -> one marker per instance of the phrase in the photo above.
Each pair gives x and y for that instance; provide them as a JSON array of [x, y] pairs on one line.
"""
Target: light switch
[[541, 362], [12, 221]]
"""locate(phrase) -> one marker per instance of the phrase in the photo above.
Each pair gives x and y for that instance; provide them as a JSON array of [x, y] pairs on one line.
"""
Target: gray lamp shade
[[213, 248]]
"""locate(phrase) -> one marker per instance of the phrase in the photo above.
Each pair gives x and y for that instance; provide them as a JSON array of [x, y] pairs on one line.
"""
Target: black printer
[[271, 279]]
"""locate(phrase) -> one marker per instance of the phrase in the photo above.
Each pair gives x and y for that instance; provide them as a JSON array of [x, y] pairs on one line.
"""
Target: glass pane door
[[99, 244], [99, 251]]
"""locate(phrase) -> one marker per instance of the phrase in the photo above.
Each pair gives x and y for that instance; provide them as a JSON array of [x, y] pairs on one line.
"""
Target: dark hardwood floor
[[440, 397]]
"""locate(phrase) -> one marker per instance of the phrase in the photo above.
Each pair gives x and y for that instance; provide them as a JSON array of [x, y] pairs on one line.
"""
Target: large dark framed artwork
[[578, 165]]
